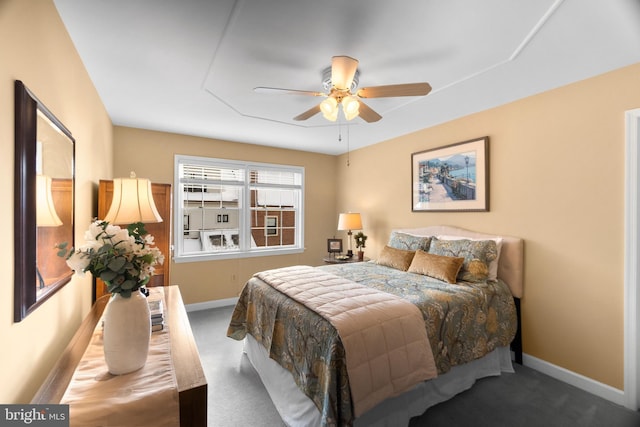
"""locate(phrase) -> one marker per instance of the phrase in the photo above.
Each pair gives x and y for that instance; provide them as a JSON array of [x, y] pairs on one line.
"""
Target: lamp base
[[350, 253]]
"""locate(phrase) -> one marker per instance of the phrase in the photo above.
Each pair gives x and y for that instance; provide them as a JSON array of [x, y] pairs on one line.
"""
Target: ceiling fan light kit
[[350, 107], [340, 82], [329, 108]]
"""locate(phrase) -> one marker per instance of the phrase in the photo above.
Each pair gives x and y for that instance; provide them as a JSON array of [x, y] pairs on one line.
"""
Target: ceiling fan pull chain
[[348, 137]]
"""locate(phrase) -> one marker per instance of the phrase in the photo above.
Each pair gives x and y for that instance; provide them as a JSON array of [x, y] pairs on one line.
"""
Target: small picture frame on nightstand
[[334, 246]]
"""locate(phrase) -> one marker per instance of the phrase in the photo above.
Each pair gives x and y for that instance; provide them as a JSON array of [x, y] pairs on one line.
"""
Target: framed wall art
[[451, 178]]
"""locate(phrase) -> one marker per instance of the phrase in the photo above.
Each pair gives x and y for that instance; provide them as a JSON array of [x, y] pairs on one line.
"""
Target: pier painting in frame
[[451, 178]]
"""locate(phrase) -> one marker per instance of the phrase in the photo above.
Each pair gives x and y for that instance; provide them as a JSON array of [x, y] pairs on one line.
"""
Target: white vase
[[126, 334]]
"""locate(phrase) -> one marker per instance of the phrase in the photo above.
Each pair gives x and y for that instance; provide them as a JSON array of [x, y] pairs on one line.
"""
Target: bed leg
[[516, 344]]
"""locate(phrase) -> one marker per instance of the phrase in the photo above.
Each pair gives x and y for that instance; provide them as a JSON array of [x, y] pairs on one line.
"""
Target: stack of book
[[157, 313]]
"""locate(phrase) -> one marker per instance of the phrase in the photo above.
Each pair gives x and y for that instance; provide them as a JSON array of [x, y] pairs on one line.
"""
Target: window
[[231, 208], [271, 223]]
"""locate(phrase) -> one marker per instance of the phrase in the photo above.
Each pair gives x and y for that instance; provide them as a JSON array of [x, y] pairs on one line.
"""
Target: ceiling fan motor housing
[[328, 85]]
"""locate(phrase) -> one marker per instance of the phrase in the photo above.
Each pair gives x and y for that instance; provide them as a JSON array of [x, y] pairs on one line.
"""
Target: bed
[[464, 285]]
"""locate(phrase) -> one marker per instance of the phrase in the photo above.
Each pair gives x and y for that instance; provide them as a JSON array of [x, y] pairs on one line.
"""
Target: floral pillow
[[399, 259], [477, 255], [493, 265], [408, 242]]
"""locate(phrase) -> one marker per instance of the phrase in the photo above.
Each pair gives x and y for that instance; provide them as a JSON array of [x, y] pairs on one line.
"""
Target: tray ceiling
[[190, 66]]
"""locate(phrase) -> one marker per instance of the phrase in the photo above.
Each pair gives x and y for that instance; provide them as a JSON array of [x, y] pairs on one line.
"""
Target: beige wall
[[151, 155], [37, 50], [557, 180]]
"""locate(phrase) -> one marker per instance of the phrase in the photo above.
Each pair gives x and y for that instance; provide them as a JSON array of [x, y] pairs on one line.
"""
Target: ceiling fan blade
[[367, 114], [408, 89], [343, 68], [308, 114], [279, 91]]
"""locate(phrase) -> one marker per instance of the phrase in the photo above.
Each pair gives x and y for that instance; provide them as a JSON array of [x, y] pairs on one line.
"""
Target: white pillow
[[493, 265]]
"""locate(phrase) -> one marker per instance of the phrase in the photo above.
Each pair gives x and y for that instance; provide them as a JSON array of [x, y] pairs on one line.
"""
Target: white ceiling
[[190, 66]]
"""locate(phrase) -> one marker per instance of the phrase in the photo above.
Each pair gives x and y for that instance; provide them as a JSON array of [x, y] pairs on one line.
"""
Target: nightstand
[[333, 260]]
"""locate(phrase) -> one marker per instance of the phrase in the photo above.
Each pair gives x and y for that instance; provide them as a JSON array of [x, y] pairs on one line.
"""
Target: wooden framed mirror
[[43, 202]]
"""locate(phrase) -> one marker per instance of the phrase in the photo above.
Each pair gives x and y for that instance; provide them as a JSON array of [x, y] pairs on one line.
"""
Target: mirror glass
[[44, 200]]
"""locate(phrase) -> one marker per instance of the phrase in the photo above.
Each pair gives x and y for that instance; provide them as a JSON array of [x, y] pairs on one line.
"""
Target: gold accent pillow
[[439, 267], [399, 259]]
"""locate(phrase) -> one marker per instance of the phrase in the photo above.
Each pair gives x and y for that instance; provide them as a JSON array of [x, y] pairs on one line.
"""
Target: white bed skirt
[[297, 410]]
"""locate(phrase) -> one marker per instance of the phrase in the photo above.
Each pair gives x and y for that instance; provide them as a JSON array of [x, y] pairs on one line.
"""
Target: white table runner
[[146, 397]]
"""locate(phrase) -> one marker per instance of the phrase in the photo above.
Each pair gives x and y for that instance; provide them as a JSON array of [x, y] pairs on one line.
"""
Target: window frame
[[245, 211]]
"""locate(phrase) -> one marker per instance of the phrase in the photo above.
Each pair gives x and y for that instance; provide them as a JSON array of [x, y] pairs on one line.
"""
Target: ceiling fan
[[340, 82]]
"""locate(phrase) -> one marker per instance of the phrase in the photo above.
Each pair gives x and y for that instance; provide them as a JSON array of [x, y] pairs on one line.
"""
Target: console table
[[190, 378]]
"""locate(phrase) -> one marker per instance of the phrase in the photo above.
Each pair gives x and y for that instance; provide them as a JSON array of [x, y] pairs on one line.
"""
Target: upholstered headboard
[[510, 263]]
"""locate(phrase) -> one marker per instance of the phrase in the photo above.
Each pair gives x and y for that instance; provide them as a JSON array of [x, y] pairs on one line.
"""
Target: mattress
[[298, 410]]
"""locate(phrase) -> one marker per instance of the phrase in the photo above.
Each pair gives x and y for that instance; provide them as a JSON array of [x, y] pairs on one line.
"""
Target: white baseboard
[[587, 384], [211, 304]]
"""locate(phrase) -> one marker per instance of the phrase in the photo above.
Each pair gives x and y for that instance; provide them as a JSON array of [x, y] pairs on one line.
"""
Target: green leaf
[[137, 230], [116, 264], [127, 285], [105, 249], [108, 275]]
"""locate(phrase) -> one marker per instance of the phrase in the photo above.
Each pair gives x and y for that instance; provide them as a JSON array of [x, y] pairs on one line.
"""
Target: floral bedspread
[[463, 321]]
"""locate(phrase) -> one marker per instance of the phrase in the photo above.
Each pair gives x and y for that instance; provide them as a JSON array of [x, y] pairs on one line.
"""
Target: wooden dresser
[[190, 378]]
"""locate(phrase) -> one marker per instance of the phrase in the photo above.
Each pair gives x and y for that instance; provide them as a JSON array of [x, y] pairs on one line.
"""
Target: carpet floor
[[527, 398]]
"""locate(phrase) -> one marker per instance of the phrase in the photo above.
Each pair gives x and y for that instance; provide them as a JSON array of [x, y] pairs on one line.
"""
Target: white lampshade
[[350, 107], [46, 215], [350, 221], [132, 202], [329, 108]]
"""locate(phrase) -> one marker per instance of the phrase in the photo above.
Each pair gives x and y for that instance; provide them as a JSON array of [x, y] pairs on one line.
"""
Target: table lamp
[[132, 202], [349, 221]]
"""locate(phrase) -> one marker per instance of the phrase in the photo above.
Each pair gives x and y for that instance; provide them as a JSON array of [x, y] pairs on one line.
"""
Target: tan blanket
[[386, 345]]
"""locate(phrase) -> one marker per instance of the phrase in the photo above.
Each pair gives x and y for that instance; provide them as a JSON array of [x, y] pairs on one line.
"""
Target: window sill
[[234, 255]]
